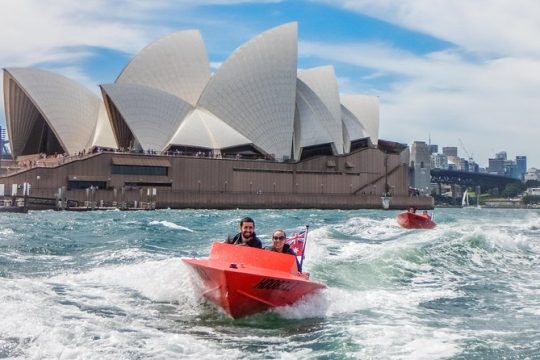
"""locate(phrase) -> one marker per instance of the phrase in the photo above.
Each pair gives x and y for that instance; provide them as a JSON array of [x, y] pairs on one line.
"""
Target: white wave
[[6, 231], [128, 255], [170, 225], [315, 305], [158, 280], [96, 315], [322, 248], [401, 339], [370, 228], [394, 332]]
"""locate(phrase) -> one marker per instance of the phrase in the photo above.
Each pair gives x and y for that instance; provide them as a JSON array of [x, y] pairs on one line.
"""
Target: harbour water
[[110, 285]]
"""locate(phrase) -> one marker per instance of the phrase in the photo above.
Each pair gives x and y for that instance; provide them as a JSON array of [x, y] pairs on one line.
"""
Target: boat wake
[[171, 225]]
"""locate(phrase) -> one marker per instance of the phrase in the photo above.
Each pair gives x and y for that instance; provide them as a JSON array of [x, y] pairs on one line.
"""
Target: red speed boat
[[244, 280], [412, 220]]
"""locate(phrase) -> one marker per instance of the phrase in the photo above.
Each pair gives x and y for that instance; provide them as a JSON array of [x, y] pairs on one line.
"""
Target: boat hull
[[411, 220], [244, 281]]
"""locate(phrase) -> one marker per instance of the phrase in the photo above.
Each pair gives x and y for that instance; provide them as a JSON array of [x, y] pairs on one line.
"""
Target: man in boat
[[426, 214], [279, 245], [246, 236]]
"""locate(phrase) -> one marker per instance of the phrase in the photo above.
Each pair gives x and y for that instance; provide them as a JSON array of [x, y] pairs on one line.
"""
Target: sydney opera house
[[257, 133]]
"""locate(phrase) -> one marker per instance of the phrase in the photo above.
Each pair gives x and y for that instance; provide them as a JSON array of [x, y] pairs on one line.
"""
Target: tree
[[513, 189]]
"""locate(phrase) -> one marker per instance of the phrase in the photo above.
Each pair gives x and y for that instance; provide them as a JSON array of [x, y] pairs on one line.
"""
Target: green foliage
[[513, 189]]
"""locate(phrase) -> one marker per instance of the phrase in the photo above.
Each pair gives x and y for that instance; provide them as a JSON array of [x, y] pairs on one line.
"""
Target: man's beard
[[247, 234]]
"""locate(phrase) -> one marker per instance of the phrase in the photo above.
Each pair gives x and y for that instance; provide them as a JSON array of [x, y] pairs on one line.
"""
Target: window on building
[[85, 184], [140, 170]]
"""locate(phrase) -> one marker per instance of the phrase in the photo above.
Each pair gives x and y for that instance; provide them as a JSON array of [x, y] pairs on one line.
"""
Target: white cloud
[[490, 26], [50, 31], [491, 105], [490, 102]]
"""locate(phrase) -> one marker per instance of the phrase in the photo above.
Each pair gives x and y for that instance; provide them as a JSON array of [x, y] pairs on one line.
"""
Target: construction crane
[[470, 156]]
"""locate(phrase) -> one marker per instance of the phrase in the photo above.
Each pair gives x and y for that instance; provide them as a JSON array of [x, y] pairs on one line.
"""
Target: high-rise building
[[457, 163], [421, 166], [433, 149], [501, 155], [439, 161], [450, 150], [510, 169], [521, 162], [496, 166]]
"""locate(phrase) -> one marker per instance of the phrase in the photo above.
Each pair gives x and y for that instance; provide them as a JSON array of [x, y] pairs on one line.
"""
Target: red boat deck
[[244, 280]]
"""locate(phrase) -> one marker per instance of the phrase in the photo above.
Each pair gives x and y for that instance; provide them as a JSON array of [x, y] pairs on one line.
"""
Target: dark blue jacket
[[237, 240], [287, 250]]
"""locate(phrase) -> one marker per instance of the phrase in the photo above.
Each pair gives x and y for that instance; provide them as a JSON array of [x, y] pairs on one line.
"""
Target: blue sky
[[456, 70]]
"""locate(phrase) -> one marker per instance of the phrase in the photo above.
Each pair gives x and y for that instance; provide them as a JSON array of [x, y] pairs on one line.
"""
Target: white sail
[[465, 199]]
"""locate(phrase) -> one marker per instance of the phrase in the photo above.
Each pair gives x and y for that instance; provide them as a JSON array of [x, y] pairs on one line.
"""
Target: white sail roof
[[322, 81], [366, 109], [352, 128], [70, 110], [166, 96], [203, 129], [152, 115], [315, 124], [103, 134], [254, 90], [176, 64]]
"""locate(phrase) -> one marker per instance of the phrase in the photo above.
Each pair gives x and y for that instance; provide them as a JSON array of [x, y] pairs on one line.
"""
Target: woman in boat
[[279, 245], [246, 236]]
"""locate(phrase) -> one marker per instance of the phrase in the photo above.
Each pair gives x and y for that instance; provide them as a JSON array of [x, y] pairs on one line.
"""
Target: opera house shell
[[166, 100]]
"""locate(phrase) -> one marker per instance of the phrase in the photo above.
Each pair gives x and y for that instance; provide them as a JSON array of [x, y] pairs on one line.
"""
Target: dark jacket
[[237, 240], [287, 250]]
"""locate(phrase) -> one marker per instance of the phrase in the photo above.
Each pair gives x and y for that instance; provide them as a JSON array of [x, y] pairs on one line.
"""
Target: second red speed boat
[[244, 280], [412, 220]]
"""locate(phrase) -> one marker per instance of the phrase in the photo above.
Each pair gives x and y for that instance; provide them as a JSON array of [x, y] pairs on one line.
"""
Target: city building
[[496, 165], [501, 155], [521, 162], [533, 174], [450, 151], [511, 169], [421, 166], [439, 161]]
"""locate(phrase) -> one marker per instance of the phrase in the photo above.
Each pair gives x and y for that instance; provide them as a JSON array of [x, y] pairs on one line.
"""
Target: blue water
[[110, 285]]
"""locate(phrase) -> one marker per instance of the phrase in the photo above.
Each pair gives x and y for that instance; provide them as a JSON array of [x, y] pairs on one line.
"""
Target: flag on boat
[[296, 242]]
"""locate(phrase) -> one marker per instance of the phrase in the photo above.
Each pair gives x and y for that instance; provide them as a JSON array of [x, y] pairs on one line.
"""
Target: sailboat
[[465, 199]]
